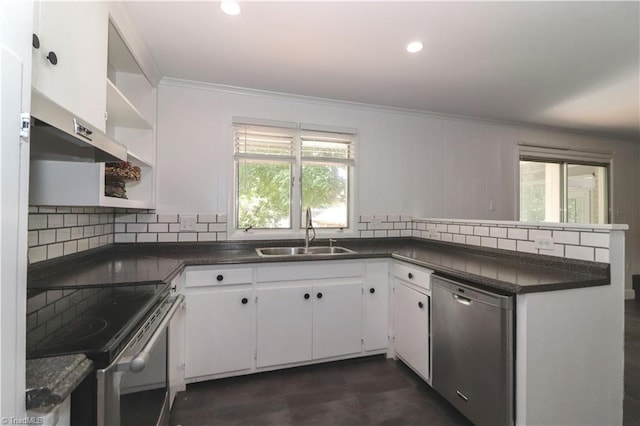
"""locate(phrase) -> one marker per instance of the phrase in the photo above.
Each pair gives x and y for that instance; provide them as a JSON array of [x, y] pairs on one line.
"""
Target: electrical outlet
[[188, 223], [544, 243]]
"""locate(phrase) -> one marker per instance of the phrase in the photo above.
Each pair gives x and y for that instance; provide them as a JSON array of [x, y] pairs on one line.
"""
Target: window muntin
[[563, 191], [281, 172]]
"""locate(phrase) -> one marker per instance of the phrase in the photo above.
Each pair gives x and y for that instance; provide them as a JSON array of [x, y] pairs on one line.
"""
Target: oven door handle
[[139, 362]]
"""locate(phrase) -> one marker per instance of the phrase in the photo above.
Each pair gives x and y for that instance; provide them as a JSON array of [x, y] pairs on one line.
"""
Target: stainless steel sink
[[300, 251]]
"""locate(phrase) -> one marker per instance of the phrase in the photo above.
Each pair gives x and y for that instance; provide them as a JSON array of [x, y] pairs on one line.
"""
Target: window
[[283, 169], [563, 191]]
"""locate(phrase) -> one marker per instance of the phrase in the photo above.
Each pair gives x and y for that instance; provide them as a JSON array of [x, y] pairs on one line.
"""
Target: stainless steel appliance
[[134, 388], [123, 329], [473, 338]]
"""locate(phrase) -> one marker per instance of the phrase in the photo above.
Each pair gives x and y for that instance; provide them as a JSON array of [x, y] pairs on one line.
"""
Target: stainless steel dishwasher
[[472, 338]]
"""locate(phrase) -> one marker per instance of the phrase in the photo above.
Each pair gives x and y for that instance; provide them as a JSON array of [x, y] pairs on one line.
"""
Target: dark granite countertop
[[499, 270], [51, 380]]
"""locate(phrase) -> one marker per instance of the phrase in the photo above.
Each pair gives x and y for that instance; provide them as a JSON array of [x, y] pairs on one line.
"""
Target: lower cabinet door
[[218, 332], [337, 319], [284, 318], [411, 328]]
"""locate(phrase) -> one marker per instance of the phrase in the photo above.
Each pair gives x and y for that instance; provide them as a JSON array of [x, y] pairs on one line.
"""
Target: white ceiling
[[572, 65]]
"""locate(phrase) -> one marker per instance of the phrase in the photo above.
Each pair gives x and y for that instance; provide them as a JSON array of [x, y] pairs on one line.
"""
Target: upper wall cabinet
[[70, 56]]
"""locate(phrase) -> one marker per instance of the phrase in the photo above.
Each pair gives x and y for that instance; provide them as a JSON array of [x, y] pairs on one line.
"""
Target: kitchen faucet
[[308, 226]]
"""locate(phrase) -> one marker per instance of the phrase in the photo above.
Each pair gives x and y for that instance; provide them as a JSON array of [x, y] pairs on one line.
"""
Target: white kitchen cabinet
[[130, 105], [376, 306], [412, 317], [303, 322], [219, 331], [337, 319], [76, 32], [284, 324]]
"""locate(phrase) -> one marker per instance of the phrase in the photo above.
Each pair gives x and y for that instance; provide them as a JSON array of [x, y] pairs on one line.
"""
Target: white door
[[218, 332], [376, 306], [337, 319], [284, 324], [16, 21], [411, 328]]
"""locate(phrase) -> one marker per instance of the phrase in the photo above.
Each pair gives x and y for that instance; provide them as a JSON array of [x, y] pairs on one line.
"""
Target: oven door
[[134, 389]]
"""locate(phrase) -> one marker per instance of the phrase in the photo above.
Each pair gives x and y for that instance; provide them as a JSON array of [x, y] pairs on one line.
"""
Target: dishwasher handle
[[460, 299]]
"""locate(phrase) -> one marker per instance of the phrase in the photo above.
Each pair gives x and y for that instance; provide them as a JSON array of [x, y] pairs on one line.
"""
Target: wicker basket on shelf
[[116, 175]]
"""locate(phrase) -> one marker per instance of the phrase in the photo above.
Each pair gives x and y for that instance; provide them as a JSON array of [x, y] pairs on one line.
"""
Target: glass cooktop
[[95, 321]]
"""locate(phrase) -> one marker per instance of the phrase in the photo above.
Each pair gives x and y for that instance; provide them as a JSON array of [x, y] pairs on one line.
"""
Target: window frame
[[567, 157], [296, 230]]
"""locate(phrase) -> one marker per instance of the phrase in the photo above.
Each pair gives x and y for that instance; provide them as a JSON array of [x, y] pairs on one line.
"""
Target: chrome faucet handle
[[331, 241]]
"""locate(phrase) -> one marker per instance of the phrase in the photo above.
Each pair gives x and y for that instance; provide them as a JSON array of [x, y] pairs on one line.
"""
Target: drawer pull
[[220, 277], [319, 295], [306, 296], [420, 305], [462, 396], [245, 300], [410, 275], [372, 290]]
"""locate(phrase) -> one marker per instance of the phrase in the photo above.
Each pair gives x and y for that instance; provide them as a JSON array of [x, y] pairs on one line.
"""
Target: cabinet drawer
[[413, 274], [207, 276]]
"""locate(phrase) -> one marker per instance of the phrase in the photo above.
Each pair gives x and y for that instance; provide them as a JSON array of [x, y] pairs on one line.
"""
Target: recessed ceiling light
[[414, 46], [230, 7]]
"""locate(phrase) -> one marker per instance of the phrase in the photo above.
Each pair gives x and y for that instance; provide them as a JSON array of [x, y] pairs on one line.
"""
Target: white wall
[[425, 165]]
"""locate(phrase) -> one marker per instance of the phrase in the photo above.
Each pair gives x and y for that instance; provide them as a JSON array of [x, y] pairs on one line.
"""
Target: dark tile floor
[[367, 391]]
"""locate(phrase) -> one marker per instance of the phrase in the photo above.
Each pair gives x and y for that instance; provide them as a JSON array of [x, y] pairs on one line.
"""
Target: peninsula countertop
[[500, 270]]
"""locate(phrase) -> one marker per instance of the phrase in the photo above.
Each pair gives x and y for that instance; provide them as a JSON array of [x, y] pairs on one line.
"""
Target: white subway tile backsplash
[[482, 231], [517, 234], [602, 255], [505, 244], [393, 233], [207, 236], [168, 218], [473, 240], [454, 229], [566, 237], [459, 238], [393, 218], [70, 247], [594, 239], [63, 234], [581, 253], [137, 227], [445, 236], [217, 227], [37, 254], [222, 218], [366, 234], [526, 246], [539, 233], [497, 232], [32, 238], [55, 250], [70, 220], [489, 242], [126, 218], [466, 229], [207, 218], [380, 234], [188, 236], [158, 227], [37, 221], [147, 237], [146, 218], [125, 238], [166, 238]]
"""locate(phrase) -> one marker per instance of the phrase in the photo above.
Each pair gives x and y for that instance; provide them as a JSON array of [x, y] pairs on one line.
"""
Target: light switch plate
[[188, 223], [544, 243]]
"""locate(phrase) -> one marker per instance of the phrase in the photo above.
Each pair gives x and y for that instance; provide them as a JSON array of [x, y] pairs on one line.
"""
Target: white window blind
[[327, 149], [263, 142]]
